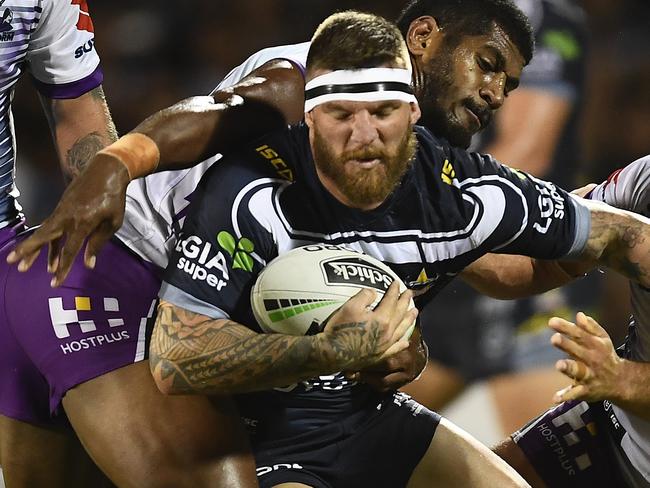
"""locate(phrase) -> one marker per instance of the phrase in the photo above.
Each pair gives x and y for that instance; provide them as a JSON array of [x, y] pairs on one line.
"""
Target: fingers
[[27, 251], [53, 255], [95, 242], [572, 392], [576, 370], [362, 300], [67, 254], [589, 325], [568, 345], [405, 328], [398, 346], [389, 300], [564, 327]]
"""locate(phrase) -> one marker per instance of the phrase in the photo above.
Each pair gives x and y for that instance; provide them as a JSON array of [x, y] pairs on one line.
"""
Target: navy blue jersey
[[450, 208]]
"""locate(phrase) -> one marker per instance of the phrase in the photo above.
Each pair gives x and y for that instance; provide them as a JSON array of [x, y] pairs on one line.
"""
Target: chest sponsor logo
[[202, 262], [64, 319], [240, 250], [6, 17], [551, 206], [355, 272]]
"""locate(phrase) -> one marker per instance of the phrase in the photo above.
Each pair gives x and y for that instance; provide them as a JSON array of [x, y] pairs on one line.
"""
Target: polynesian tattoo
[[193, 353]]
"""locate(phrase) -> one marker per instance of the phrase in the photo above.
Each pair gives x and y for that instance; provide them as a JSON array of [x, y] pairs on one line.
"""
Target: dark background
[[155, 53]]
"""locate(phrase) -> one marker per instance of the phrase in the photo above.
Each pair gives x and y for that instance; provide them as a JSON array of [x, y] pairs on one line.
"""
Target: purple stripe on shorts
[[73, 89]]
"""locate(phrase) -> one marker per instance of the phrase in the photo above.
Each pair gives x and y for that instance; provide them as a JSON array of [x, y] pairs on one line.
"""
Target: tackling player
[[85, 351], [358, 175], [600, 434], [54, 42]]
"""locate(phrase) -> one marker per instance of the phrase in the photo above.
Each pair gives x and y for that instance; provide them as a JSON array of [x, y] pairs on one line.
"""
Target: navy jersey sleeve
[[516, 213], [223, 243]]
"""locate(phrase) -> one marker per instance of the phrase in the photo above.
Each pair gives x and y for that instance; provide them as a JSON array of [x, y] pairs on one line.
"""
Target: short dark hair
[[462, 18], [356, 40]]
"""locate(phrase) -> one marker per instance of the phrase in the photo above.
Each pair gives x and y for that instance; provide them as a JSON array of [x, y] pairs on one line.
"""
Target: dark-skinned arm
[[398, 370], [92, 207]]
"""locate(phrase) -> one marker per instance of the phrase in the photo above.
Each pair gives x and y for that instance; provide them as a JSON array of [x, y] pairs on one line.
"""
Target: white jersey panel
[[296, 53], [154, 204], [629, 188], [41, 36], [62, 49]]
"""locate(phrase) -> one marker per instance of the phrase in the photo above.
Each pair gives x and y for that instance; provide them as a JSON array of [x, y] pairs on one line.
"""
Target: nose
[[493, 90], [363, 130]]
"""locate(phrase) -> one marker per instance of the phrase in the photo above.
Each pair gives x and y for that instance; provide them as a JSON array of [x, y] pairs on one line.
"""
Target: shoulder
[[273, 157], [294, 53]]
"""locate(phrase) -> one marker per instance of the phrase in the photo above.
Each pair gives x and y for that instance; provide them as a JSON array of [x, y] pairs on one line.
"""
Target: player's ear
[[424, 36], [416, 113], [309, 119]]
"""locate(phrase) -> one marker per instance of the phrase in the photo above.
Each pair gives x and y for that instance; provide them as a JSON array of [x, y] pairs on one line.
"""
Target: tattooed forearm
[[620, 240], [80, 127], [192, 353], [81, 153]]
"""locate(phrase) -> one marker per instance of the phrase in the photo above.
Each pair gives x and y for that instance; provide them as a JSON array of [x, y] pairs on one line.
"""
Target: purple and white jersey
[[629, 189], [155, 205], [54, 41]]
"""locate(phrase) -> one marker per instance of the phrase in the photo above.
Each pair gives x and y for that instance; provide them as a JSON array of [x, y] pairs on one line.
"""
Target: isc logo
[[62, 318]]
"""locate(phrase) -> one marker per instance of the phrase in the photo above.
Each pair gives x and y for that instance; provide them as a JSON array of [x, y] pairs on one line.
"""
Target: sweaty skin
[[485, 68]]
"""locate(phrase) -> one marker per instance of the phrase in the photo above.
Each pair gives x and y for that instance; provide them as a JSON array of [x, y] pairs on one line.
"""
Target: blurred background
[[155, 53]]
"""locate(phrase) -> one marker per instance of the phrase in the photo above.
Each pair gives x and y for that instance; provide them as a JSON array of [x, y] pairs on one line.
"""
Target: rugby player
[[97, 340], [599, 434], [463, 68], [54, 42], [356, 174]]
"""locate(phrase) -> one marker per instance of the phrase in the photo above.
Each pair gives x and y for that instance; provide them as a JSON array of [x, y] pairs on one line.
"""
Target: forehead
[[354, 106], [499, 44]]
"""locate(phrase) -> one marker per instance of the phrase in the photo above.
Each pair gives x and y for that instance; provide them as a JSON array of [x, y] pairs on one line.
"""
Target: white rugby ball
[[297, 291]]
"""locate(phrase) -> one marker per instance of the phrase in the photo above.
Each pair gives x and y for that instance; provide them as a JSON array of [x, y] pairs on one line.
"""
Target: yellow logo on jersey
[[519, 173], [422, 277], [448, 172], [278, 163]]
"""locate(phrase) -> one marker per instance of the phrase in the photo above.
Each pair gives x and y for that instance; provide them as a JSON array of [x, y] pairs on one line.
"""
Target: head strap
[[360, 85]]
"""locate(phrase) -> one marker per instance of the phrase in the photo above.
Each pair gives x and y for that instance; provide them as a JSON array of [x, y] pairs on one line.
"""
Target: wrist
[[138, 153], [333, 356], [621, 393]]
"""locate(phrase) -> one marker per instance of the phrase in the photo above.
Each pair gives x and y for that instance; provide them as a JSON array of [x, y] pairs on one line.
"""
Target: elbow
[[164, 373]]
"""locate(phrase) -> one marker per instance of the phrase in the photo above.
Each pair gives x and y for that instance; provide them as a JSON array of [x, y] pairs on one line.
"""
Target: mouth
[[475, 120], [367, 163]]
